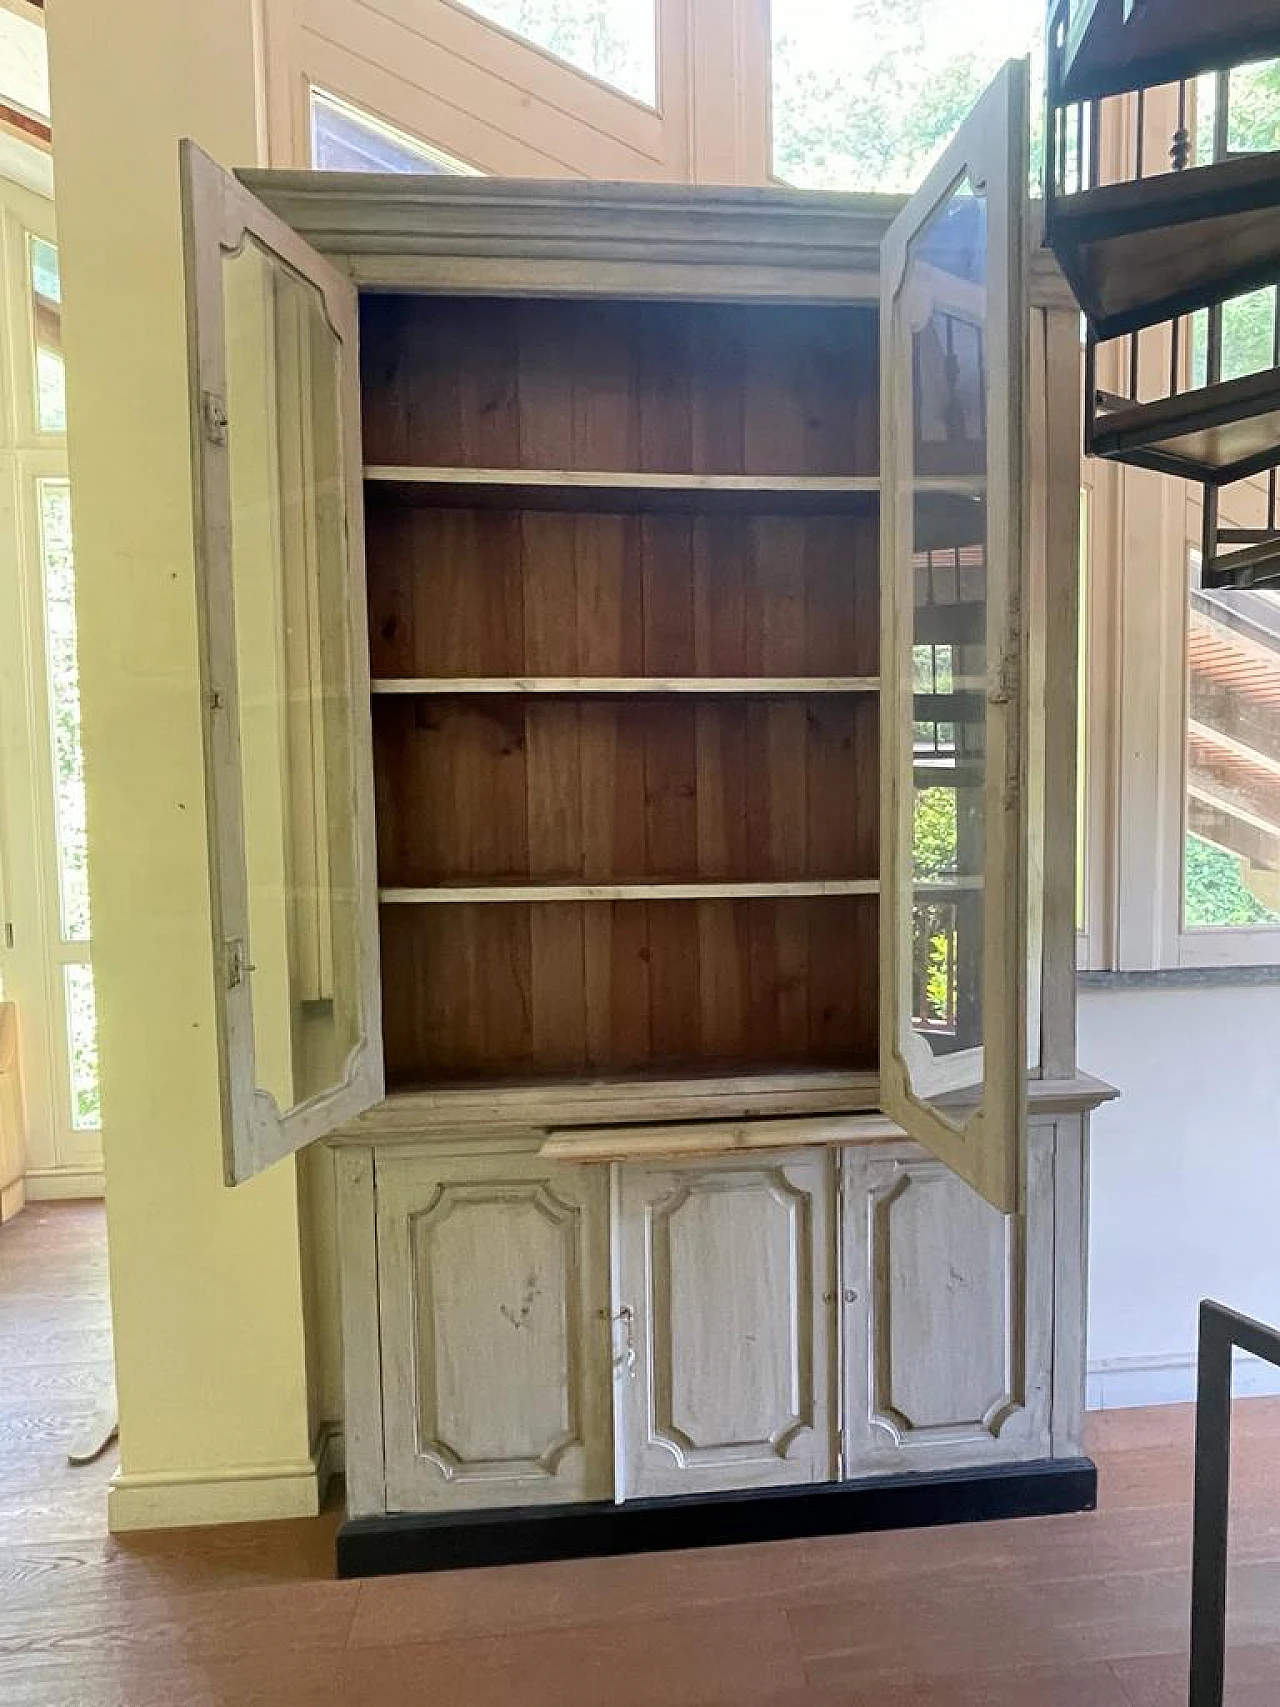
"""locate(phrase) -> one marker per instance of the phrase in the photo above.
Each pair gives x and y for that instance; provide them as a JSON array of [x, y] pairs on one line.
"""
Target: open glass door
[[284, 658], [954, 330]]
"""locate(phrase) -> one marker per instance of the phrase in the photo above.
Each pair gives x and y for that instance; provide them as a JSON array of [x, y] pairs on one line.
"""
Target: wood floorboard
[[1081, 1611]]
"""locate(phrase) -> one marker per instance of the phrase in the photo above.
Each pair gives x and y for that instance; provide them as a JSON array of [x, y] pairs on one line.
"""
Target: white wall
[[1186, 1180]]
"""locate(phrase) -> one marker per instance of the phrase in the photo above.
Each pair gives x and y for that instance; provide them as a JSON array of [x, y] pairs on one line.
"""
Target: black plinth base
[[416, 1541]]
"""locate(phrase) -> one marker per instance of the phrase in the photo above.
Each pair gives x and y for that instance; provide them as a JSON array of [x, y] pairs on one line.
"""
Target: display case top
[[395, 231]]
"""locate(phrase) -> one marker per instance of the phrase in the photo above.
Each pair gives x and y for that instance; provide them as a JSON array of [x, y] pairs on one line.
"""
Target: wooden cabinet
[[493, 1293], [948, 1313], [725, 1276], [639, 699]]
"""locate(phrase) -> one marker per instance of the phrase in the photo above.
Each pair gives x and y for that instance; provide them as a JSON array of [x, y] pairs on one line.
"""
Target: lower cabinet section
[[724, 1282], [948, 1325], [554, 1332], [494, 1299]]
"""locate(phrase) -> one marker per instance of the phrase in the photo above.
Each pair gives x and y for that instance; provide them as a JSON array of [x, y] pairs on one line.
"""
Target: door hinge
[[237, 963], [8, 934], [213, 413]]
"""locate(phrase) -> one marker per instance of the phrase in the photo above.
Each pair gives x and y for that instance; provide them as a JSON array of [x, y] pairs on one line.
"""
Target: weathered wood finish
[[466, 592], [724, 1311], [948, 1313], [495, 1365], [574, 988], [508, 789], [658, 387], [503, 790]]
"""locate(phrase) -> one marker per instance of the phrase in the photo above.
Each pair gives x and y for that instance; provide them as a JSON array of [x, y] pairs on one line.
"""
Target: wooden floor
[[1086, 1611]]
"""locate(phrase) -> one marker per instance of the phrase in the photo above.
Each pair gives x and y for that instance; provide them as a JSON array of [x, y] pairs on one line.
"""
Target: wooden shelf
[[568, 489], [472, 894], [1144, 251], [628, 685], [1108, 53], [1214, 434]]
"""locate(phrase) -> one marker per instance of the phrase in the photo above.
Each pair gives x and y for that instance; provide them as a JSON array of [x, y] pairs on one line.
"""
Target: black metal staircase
[[1155, 255]]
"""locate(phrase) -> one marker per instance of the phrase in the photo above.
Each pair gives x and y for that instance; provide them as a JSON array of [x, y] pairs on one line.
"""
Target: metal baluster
[[1140, 145], [1095, 144], [1180, 152]]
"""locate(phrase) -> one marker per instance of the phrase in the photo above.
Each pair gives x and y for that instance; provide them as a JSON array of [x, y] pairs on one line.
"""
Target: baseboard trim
[[1123, 1383], [54, 1185], [13, 1200], [188, 1499], [383, 1546]]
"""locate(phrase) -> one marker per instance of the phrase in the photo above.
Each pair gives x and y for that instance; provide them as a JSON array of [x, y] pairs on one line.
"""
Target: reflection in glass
[[289, 572], [46, 300], [82, 1043], [70, 835], [1231, 854], [944, 300]]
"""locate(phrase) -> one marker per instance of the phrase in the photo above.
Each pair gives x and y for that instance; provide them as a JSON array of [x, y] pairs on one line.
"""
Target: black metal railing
[[1221, 1332]]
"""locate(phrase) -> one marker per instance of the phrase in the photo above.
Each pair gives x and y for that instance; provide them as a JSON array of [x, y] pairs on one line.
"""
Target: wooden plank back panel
[[602, 789], [664, 387], [490, 593], [568, 989]]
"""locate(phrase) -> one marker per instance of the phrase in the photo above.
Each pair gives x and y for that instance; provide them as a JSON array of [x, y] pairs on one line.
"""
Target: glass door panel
[[286, 675], [954, 318]]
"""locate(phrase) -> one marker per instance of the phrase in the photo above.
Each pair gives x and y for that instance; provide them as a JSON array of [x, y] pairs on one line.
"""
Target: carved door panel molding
[[948, 1314], [493, 1279], [723, 1326]]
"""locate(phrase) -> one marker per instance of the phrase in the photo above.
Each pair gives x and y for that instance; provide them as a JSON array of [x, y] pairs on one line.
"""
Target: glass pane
[[82, 1047], [46, 299], [1231, 866], [70, 837], [615, 40], [344, 138], [865, 93], [943, 301], [289, 572]]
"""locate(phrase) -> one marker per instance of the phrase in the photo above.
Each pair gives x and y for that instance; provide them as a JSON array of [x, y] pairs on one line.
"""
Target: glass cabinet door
[[284, 656], [954, 326]]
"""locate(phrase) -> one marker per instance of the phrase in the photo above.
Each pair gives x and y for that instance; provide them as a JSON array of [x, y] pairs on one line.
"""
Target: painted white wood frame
[[61, 1158], [724, 1369], [989, 151], [493, 1285], [948, 1312], [220, 219]]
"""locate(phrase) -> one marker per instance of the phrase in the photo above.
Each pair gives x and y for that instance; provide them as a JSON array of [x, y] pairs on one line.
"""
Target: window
[[614, 40], [866, 93], [69, 832], [1231, 853], [24, 66], [346, 139], [46, 304]]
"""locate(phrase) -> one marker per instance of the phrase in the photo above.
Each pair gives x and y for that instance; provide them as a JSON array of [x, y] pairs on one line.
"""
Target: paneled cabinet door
[[723, 1327], [493, 1281], [948, 1314]]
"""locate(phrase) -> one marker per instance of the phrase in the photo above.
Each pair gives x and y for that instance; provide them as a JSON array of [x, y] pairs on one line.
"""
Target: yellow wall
[[207, 1282]]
